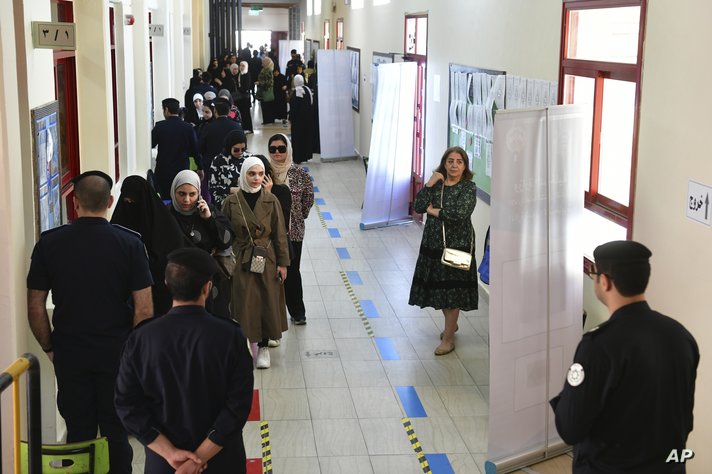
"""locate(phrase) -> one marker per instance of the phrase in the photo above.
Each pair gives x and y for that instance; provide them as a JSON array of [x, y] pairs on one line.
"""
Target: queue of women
[[254, 228]]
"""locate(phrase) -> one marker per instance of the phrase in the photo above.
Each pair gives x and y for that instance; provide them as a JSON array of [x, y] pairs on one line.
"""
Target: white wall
[[271, 19], [674, 147]]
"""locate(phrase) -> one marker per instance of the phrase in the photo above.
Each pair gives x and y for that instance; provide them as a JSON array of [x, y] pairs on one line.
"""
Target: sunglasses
[[239, 149], [278, 149]]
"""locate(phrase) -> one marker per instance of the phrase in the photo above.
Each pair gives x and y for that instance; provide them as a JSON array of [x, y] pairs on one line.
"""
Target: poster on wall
[[355, 59], [45, 153]]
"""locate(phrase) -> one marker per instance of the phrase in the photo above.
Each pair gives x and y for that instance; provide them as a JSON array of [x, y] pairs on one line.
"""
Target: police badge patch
[[575, 375]]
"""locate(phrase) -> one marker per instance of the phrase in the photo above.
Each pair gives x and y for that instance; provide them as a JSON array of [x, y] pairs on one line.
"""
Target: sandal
[[440, 350], [443, 333]]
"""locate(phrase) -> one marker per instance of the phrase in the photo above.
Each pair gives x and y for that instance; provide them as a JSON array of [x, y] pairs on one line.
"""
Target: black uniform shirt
[[91, 267], [187, 375], [635, 402]]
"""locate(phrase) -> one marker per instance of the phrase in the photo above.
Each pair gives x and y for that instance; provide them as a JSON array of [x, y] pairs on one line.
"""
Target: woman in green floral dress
[[436, 285]]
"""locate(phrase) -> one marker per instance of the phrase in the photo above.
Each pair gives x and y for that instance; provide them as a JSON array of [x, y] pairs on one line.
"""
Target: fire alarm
[[129, 20]]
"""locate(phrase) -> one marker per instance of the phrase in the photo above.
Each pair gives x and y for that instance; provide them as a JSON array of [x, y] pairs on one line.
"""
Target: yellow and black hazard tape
[[266, 449], [415, 444], [357, 304], [321, 216]]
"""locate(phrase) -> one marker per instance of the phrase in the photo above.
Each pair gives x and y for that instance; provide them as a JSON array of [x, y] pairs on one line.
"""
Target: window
[[416, 34], [381, 2], [356, 4], [339, 33], [310, 7], [601, 66], [327, 28], [317, 7]]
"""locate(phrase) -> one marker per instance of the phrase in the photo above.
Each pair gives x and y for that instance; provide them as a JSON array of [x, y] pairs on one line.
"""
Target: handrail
[[10, 376]]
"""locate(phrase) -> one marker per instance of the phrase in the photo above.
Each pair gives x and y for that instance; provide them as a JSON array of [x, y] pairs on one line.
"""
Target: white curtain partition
[[536, 276], [390, 156], [336, 121], [285, 46]]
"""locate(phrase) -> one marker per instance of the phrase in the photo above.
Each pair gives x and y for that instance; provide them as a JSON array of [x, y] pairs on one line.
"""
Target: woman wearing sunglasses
[[225, 167], [302, 190]]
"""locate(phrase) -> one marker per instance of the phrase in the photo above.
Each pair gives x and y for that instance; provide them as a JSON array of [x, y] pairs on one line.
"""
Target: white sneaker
[[274, 342], [263, 361]]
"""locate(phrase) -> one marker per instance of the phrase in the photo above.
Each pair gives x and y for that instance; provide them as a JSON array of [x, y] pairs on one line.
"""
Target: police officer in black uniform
[[185, 383], [628, 398], [94, 269]]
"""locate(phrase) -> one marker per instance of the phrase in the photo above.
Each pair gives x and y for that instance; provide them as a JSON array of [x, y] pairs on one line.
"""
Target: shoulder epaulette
[[596, 328], [54, 229], [119, 226]]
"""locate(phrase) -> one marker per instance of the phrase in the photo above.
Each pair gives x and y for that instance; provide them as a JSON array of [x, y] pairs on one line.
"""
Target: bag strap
[[472, 236], [247, 225]]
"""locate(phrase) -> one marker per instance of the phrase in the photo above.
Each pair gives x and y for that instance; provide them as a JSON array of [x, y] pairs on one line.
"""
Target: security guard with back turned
[[628, 398]]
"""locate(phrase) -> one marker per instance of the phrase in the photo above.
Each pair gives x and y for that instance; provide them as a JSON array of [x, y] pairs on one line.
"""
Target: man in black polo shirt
[[93, 269], [627, 402], [176, 142], [185, 381]]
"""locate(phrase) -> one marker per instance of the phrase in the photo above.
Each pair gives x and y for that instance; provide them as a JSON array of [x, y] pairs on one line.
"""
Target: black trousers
[[85, 399], [293, 292]]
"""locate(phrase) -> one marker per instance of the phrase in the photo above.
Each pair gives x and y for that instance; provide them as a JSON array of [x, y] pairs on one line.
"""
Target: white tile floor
[[330, 397]]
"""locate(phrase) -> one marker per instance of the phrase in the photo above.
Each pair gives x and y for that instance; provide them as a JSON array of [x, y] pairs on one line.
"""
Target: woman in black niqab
[[140, 209]]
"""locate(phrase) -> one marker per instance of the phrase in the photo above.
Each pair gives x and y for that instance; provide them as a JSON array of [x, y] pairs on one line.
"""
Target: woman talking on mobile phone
[[206, 228]]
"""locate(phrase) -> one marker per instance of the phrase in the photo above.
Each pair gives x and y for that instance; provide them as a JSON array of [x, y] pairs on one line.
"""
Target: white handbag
[[452, 257]]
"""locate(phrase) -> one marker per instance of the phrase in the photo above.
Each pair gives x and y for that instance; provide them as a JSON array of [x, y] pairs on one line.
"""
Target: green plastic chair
[[86, 457]]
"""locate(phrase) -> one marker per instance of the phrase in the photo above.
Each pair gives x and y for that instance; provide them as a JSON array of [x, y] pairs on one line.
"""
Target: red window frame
[[339, 33], [418, 161], [112, 36], [599, 71], [327, 33]]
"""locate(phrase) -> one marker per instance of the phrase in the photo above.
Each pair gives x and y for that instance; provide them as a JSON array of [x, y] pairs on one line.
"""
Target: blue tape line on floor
[[316, 189], [369, 309], [354, 278], [334, 233], [387, 349], [327, 216], [320, 201], [439, 464], [343, 253], [411, 402]]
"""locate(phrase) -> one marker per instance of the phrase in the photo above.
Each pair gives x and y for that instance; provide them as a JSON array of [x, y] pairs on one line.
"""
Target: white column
[[143, 99], [162, 62], [94, 93]]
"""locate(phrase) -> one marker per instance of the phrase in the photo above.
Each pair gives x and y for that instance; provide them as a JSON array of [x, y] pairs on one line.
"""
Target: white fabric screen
[[390, 156], [285, 46], [336, 121], [536, 275]]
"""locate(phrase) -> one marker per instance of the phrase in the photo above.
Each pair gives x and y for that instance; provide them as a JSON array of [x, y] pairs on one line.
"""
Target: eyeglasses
[[278, 149], [239, 149], [592, 271]]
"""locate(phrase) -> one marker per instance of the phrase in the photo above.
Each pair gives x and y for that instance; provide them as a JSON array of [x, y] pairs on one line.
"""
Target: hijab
[[185, 177], [231, 139], [249, 163], [244, 67], [299, 87], [280, 169], [147, 215]]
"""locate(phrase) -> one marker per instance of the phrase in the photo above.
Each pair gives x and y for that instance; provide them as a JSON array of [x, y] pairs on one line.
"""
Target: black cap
[[194, 259], [101, 174], [621, 251]]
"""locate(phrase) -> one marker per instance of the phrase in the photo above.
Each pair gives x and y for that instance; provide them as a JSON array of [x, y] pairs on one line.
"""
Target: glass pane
[[356, 4], [599, 230], [616, 140], [62, 99], [604, 34], [310, 7], [422, 37], [339, 28], [579, 90], [410, 35], [317, 7]]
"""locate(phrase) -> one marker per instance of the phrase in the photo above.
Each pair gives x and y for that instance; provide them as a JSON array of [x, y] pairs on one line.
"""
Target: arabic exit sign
[[699, 202]]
